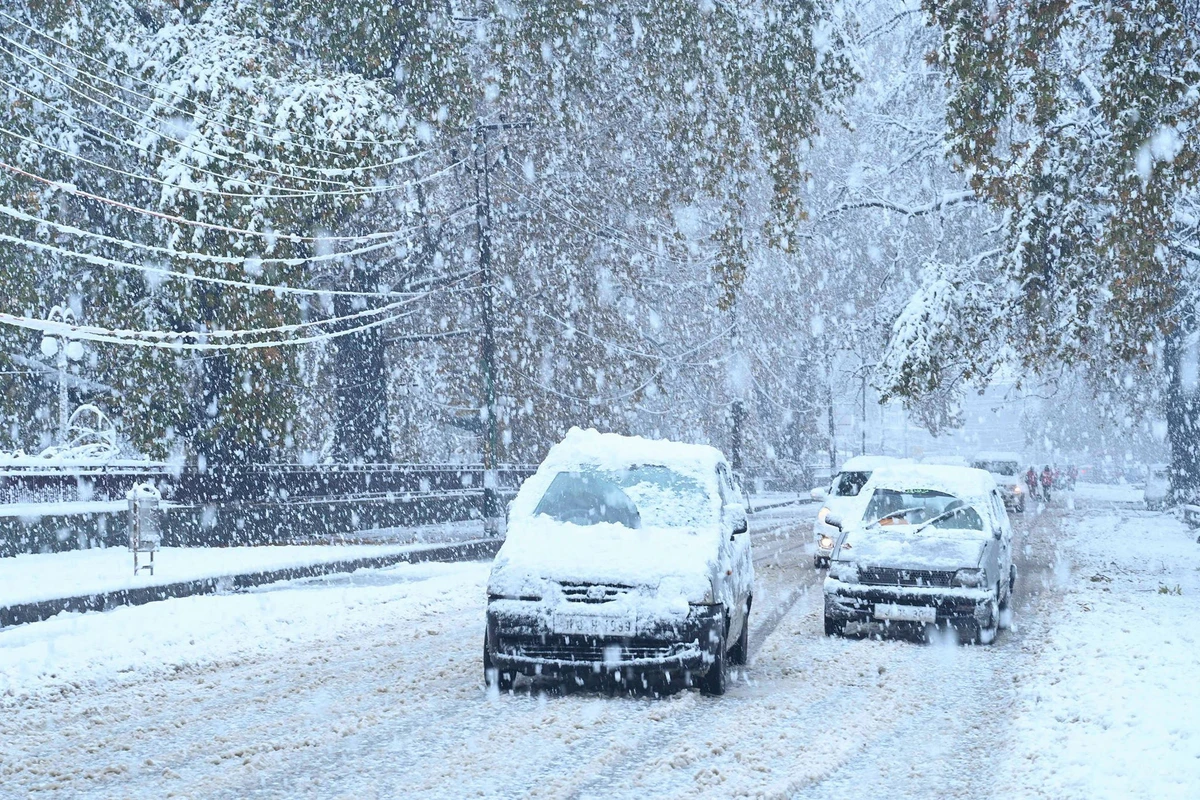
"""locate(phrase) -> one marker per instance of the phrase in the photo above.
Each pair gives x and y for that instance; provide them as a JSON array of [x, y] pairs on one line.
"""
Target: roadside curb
[[24, 613]]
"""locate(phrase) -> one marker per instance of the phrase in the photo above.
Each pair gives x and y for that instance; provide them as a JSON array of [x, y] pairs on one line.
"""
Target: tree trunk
[[1183, 412]]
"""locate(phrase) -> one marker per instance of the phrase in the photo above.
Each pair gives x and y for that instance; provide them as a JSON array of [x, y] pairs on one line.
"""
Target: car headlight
[[826, 543], [971, 578], [844, 571], [822, 514], [1017, 490]]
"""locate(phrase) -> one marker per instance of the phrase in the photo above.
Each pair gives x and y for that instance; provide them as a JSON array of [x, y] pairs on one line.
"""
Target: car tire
[[713, 682], [987, 635], [739, 653], [503, 681], [834, 627]]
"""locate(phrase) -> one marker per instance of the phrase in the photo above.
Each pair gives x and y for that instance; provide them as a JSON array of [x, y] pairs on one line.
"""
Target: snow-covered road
[[370, 686]]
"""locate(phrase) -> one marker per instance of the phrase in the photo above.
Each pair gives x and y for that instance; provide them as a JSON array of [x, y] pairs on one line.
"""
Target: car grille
[[589, 650], [887, 576], [594, 592]]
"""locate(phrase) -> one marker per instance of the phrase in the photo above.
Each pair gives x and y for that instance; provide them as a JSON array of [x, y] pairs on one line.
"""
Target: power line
[[287, 192], [202, 257], [289, 237], [207, 153], [167, 90], [110, 338]]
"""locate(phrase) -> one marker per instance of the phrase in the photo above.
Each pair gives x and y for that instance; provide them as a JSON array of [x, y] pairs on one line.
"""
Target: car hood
[[668, 563], [903, 549]]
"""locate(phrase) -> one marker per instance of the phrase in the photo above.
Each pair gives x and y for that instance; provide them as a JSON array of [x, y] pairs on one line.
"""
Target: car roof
[[965, 483], [869, 463], [615, 451]]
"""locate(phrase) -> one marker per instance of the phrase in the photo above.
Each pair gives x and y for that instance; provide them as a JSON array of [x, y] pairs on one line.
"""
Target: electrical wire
[[287, 193], [289, 237], [82, 335], [167, 90], [325, 171], [165, 252]]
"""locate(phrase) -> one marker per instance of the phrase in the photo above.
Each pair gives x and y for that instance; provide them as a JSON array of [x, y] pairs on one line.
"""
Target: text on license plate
[[905, 613], [593, 625]]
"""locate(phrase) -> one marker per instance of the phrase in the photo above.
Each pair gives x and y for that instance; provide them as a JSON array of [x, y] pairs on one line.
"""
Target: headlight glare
[[826, 543]]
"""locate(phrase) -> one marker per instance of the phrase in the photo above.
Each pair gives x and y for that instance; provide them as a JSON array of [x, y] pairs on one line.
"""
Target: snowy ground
[[370, 686], [49, 576]]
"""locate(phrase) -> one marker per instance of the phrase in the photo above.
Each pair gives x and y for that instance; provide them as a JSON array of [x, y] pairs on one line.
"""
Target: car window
[[848, 484], [920, 506], [636, 497], [998, 467]]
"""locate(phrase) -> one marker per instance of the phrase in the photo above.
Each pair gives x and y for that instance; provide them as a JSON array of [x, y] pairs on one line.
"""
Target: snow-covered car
[[1158, 486], [843, 499], [626, 560], [1006, 471], [937, 552]]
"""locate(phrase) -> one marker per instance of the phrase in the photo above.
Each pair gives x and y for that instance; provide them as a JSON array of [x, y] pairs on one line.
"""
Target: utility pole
[[492, 514], [832, 420], [862, 451]]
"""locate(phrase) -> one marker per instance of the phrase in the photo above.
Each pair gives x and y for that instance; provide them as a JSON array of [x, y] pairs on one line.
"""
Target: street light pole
[[483, 224], [492, 514]]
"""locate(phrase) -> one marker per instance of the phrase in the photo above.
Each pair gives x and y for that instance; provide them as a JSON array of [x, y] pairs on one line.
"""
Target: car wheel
[[988, 635], [503, 681], [834, 627], [714, 680], [740, 651]]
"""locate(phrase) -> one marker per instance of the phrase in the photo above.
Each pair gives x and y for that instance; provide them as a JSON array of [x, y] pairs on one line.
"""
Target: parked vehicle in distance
[[934, 551], [1009, 475], [627, 560], [842, 499], [1158, 486]]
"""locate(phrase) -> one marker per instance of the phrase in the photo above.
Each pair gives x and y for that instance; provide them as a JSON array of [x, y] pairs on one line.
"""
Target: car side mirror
[[819, 494], [737, 515], [833, 520]]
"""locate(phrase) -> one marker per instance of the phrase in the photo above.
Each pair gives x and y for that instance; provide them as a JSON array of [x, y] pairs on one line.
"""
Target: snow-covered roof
[[614, 451], [961, 482], [869, 463]]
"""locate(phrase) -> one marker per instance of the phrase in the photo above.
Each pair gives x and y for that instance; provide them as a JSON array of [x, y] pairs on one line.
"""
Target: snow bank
[[199, 631], [30, 578], [1111, 709]]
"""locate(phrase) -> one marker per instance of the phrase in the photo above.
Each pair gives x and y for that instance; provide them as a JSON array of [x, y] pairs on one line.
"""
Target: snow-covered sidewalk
[[1110, 708], [77, 573]]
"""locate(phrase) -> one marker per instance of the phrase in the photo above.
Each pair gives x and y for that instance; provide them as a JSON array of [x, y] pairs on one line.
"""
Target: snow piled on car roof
[[965, 483], [869, 463], [614, 451]]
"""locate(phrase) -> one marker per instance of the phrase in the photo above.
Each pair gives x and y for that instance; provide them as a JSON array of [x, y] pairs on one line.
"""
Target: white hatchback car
[[937, 552], [627, 561], [843, 499]]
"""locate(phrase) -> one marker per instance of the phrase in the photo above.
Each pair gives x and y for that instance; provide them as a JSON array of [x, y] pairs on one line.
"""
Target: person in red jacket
[[1047, 482], [1031, 481]]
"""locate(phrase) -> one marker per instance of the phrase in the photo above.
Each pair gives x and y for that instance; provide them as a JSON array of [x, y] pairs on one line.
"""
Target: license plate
[[901, 613], [593, 625]]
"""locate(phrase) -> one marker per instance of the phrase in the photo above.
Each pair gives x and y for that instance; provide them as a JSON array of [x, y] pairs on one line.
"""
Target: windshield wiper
[[944, 515], [901, 513]]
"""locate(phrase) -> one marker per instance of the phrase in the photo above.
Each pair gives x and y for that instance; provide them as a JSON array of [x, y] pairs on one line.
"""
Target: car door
[[1004, 543], [740, 565]]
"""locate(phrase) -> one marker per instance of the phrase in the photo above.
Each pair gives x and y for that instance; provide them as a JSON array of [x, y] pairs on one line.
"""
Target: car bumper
[[855, 603], [524, 642]]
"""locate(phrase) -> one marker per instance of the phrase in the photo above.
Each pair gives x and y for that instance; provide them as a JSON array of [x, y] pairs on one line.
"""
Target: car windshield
[[919, 506], [637, 497], [848, 484], [998, 467]]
